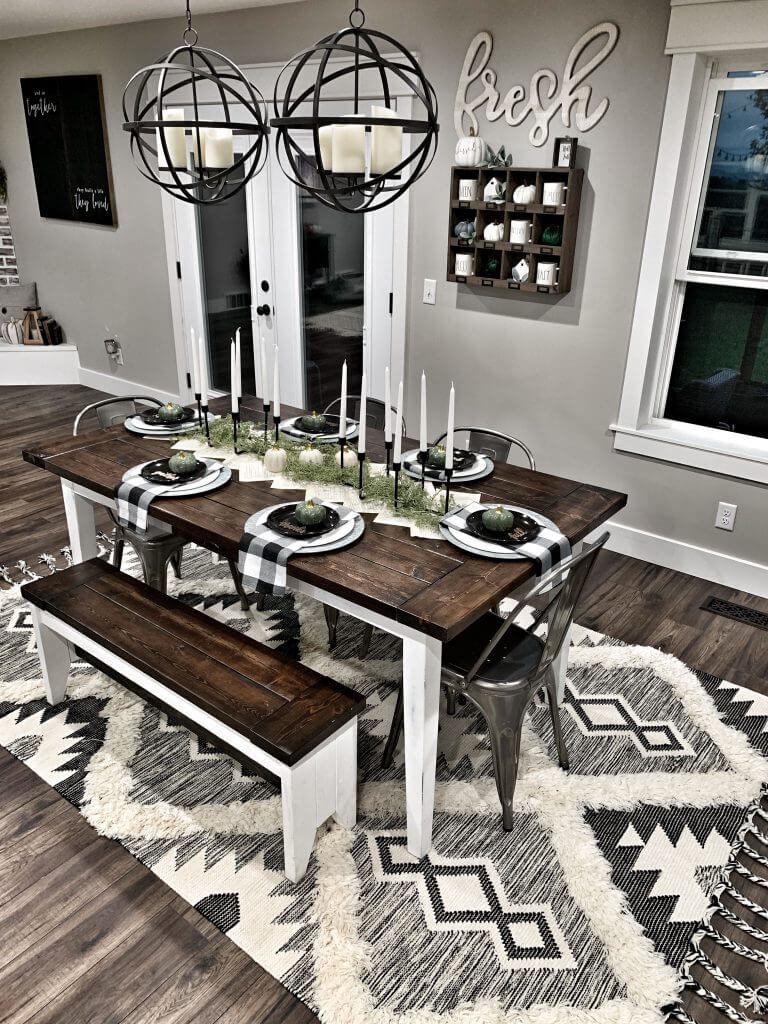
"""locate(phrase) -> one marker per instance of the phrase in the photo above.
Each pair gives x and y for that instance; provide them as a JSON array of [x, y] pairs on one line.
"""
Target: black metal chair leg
[[554, 710], [365, 643], [237, 579], [117, 554], [394, 732], [332, 621], [450, 702], [504, 712], [176, 562]]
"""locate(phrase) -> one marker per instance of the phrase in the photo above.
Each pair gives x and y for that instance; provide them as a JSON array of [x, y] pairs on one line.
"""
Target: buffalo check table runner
[[264, 553], [135, 495], [546, 550]]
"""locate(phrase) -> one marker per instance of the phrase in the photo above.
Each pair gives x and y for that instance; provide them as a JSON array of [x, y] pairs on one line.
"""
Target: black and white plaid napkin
[[546, 549], [264, 553], [135, 495]]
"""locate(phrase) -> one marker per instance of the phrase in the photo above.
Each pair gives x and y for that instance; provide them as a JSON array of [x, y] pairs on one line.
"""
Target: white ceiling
[[36, 17]]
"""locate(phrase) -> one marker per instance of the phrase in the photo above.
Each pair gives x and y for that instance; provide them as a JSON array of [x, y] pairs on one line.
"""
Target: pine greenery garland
[[419, 506]]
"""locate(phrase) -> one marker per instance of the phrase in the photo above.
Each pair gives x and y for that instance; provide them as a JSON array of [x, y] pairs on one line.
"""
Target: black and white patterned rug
[[584, 913]]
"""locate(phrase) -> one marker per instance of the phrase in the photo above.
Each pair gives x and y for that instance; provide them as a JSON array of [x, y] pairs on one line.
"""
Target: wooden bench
[[273, 711]]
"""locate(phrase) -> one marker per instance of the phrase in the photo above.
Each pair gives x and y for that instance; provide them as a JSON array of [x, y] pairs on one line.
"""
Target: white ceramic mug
[[519, 232], [546, 273], [520, 272], [465, 264], [553, 193], [467, 189]]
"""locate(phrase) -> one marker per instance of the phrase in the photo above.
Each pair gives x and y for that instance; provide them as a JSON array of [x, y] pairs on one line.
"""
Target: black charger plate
[[523, 530], [159, 472], [283, 521], [461, 460], [331, 425], [153, 420]]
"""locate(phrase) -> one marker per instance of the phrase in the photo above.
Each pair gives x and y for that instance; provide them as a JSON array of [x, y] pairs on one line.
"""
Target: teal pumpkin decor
[[183, 463], [465, 230], [552, 234], [313, 423], [309, 514], [171, 412], [436, 457], [499, 519]]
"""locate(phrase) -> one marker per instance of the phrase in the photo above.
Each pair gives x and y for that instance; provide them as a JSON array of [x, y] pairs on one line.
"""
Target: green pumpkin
[[436, 457], [552, 234], [309, 514], [183, 463], [170, 412], [314, 423], [465, 229], [499, 519]]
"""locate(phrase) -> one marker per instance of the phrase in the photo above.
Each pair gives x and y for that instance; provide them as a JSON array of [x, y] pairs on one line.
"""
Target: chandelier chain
[[357, 10]]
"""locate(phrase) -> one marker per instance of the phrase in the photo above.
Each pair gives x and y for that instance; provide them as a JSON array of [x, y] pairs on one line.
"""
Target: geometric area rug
[[583, 914]]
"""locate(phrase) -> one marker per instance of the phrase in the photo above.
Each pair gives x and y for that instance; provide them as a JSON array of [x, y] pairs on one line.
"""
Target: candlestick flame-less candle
[[238, 364], [233, 376], [195, 362], [449, 434], [423, 420], [264, 377], [343, 402], [255, 344], [218, 148], [276, 387], [386, 143], [326, 146], [398, 450], [348, 149], [363, 410], [203, 369], [174, 138], [387, 407]]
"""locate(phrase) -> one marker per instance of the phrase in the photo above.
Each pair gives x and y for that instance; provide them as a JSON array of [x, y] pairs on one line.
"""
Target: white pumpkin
[[350, 457], [311, 456], [12, 332], [470, 150], [494, 232], [275, 460], [524, 194]]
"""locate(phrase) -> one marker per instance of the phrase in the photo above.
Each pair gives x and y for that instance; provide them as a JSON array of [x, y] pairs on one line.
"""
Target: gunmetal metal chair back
[[111, 411], [494, 444], [374, 411]]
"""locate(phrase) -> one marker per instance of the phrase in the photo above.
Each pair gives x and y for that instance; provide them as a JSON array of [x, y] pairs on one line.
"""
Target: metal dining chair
[[158, 545], [499, 667], [494, 444]]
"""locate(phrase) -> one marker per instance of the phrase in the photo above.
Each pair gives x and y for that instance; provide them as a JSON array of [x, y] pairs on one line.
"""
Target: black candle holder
[[198, 399], [204, 410], [422, 458], [266, 419], [396, 469], [276, 421], [448, 475], [235, 430], [360, 463], [388, 452]]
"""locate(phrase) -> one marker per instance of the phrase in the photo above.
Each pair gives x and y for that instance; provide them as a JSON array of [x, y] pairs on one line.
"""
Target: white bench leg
[[346, 776], [299, 816], [55, 659]]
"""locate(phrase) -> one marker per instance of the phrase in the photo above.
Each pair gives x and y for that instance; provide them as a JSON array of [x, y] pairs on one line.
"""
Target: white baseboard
[[736, 573], [38, 364], [114, 385]]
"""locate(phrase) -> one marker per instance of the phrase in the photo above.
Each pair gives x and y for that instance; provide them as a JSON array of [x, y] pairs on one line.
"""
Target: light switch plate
[[430, 288]]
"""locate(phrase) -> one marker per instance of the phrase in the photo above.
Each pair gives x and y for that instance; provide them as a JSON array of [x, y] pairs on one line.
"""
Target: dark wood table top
[[426, 584]]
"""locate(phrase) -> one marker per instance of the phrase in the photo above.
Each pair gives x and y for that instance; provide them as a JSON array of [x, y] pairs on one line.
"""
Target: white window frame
[[681, 164]]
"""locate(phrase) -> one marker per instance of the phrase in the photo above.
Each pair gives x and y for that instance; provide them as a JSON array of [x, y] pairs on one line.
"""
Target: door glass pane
[[734, 216], [720, 370], [223, 231], [333, 268]]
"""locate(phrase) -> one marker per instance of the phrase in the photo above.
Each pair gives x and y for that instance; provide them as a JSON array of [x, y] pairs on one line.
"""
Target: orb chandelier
[[364, 160], [163, 108]]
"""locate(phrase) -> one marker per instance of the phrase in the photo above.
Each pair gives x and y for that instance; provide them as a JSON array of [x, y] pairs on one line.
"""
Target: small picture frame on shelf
[[564, 154]]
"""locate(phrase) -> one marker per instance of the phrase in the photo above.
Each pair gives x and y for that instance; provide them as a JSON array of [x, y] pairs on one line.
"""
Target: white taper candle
[[363, 410], [276, 387], [256, 345], [264, 377], [343, 402], [238, 364], [449, 433], [203, 359], [195, 362], [423, 422], [233, 376], [396, 456], [387, 407]]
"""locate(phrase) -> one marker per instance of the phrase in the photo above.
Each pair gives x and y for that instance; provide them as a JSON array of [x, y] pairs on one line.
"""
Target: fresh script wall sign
[[544, 98]]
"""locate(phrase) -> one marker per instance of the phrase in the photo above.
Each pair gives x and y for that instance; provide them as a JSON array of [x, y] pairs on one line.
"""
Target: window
[[696, 385]]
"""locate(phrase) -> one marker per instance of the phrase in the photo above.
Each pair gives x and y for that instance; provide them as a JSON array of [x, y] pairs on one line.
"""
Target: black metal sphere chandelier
[[357, 162], [162, 109]]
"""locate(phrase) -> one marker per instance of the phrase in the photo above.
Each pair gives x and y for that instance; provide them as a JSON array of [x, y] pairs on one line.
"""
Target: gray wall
[[550, 370]]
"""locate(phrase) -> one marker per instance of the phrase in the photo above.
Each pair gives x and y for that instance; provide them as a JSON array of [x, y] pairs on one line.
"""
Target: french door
[[321, 285]]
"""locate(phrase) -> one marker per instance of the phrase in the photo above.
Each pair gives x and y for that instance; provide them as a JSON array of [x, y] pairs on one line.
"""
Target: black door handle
[[264, 310]]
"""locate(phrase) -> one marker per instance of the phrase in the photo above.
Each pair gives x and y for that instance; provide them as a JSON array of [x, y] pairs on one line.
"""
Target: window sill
[[714, 451]]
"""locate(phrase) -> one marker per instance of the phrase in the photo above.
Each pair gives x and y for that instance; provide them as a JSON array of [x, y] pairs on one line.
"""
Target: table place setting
[[165, 421], [505, 533], [274, 534], [182, 475], [430, 465]]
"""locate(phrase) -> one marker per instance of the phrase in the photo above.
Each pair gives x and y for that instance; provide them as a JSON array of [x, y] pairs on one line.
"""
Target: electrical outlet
[[114, 350], [430, 288], [726, 514]]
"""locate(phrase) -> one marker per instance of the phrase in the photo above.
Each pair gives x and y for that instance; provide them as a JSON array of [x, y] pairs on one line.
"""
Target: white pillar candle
[[256, 345], [449, 433], [386, 143], [218, 148], [203, 356], [238, 365], [196, 387], [174, 138], [233, 376], [343, 402], [264, 378], [387, 407], [276, 387], [363, 411], [326, 146], [348, 149], [423, 422], [396, 456]]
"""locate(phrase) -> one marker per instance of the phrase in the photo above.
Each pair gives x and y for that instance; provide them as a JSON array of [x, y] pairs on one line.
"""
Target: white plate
[[476, 545], [482, 468], [350, 530], [289, 428], [136, 425], [217, 476]]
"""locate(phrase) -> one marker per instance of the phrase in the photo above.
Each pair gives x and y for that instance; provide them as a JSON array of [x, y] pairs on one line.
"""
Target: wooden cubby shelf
[[495, 260]]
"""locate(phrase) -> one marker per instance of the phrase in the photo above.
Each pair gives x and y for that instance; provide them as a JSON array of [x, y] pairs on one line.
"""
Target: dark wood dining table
[[424, 591]]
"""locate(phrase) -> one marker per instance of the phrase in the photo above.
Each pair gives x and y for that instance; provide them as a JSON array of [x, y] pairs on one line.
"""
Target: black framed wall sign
[[68, 143]]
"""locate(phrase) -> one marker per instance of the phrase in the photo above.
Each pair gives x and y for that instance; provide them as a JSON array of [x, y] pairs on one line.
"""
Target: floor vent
[[739, 612]]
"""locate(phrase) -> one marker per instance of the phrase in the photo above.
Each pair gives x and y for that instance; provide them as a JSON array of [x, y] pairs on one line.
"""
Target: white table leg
[[81, 523], [421, 686]]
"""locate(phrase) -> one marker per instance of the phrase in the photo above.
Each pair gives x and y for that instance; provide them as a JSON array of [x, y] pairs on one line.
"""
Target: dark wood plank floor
[[81, 919]]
